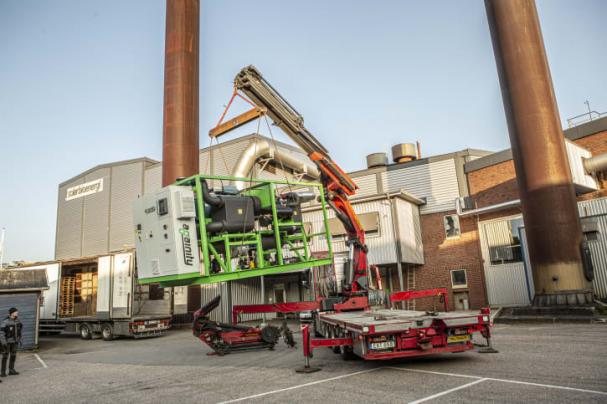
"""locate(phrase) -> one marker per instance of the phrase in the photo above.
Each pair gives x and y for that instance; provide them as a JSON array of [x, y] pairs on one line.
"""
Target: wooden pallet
[[68, 292]]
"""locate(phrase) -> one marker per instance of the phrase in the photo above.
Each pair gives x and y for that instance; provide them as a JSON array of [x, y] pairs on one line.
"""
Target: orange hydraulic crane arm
[[337, 183]]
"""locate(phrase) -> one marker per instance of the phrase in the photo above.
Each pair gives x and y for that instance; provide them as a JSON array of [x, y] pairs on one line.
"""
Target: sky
[[81, 82]]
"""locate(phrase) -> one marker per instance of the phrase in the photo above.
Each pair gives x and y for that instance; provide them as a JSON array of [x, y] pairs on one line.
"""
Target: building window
[[452, 229], [155, 292], [503, 240], [459, 279]]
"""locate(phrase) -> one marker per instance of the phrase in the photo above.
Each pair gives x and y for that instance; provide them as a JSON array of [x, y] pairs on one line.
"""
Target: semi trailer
[[100, 295]]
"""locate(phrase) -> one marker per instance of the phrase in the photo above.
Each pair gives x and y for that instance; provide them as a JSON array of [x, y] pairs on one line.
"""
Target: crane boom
[[337, 183]]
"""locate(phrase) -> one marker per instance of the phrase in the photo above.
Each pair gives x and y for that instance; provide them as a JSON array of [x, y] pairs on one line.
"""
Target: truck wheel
[[346, 353], [85, 331], [107, 332]]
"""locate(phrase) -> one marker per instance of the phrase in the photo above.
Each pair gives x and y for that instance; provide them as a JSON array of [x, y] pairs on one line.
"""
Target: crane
[[352, 322], [337, 184]]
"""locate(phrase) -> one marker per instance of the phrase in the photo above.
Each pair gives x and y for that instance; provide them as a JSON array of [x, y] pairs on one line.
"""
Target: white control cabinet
[[165, 234]]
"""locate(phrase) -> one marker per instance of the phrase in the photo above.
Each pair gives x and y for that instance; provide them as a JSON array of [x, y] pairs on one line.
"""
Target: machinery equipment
[[253, 231], [226, 338], [356, 321], [235, 233]]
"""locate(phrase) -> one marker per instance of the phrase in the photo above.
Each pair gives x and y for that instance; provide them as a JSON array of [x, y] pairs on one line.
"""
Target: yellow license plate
[[458, 338]]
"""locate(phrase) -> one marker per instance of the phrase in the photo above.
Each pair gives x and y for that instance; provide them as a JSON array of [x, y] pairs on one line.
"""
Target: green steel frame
[[299, 244]]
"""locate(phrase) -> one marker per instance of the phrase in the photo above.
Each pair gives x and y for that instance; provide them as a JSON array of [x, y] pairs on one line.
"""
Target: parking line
[[44, 365], [442, 393], [548, 386], [299, 386]]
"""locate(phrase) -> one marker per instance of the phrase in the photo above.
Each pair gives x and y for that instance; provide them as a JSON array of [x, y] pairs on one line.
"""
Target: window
[[459, 279], [503, 240], [369, 222], [452, 229], [155, 292]]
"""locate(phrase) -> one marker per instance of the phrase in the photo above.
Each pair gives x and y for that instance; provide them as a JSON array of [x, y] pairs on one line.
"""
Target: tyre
[[346, 353], [85, 331], [107, 332]]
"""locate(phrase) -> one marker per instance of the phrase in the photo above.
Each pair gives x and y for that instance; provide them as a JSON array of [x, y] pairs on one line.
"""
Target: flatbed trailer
[[388, 334], [354, 328]]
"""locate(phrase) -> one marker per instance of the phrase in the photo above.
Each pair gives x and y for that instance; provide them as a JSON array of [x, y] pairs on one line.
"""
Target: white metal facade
[[507, 283], [99, 222], [576, 155], [382, 246], [511, 284], [598, 248], [436, 181]]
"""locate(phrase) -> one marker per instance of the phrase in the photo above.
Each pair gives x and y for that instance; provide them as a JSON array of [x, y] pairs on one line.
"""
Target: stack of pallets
[[68, 291], [86, 289]]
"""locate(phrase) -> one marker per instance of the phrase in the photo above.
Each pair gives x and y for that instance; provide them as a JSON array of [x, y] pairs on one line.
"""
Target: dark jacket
[[10, 331]]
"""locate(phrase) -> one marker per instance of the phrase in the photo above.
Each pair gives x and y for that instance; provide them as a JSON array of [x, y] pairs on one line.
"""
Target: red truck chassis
[[378, 334]]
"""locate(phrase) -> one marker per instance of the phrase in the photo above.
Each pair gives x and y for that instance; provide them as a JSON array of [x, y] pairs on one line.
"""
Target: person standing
[[10, 338]]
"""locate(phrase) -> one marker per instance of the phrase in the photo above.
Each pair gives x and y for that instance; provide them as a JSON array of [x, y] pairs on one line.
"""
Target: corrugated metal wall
[[381, 246], [248, 291], [598, 248], [436, 181], [409, 232], [367, 185], [152, 178], [68, 237], [506, 283], [27, 303], [95, 219], [127, 184], [100, 222]]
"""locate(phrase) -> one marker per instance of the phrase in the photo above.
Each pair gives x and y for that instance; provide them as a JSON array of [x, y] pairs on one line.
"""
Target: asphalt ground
[[536, 363]]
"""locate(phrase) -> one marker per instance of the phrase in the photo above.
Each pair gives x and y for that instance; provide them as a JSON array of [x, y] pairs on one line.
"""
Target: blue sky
[[81, 82]]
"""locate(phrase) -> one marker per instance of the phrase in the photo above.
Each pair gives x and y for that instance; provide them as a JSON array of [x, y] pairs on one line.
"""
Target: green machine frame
[[297, 245]]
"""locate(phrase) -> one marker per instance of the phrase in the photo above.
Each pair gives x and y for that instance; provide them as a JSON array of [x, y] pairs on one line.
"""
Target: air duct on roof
[[262, 148]]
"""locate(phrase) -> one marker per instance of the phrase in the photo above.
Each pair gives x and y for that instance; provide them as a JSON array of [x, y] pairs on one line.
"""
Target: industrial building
[[451, 220]]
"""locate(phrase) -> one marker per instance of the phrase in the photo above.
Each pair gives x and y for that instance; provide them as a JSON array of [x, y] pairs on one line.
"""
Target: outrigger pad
[[488, 350], [308, 369]]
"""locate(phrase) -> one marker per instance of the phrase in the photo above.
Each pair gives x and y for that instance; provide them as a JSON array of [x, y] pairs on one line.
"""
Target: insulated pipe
[[262, 148], [180, 125], [212, 200], [538, 150], [595, 164]]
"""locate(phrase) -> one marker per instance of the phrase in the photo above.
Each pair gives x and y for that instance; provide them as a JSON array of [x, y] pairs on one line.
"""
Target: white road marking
[[442, 393], [298, 386], [44, 365], [548, 386]]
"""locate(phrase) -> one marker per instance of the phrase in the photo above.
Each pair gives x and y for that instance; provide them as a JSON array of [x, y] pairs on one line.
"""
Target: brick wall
[[497, 183], [597, 143], [442, 255], [493, 184]]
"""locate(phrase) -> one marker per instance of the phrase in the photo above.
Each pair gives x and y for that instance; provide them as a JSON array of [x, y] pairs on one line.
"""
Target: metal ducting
[[377, 160], [595, 164], [262, 148], [403, 152]]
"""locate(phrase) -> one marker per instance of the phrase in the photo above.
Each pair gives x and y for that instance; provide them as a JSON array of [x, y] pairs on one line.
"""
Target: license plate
[[152, 322], [458, 338], [382, 345]]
